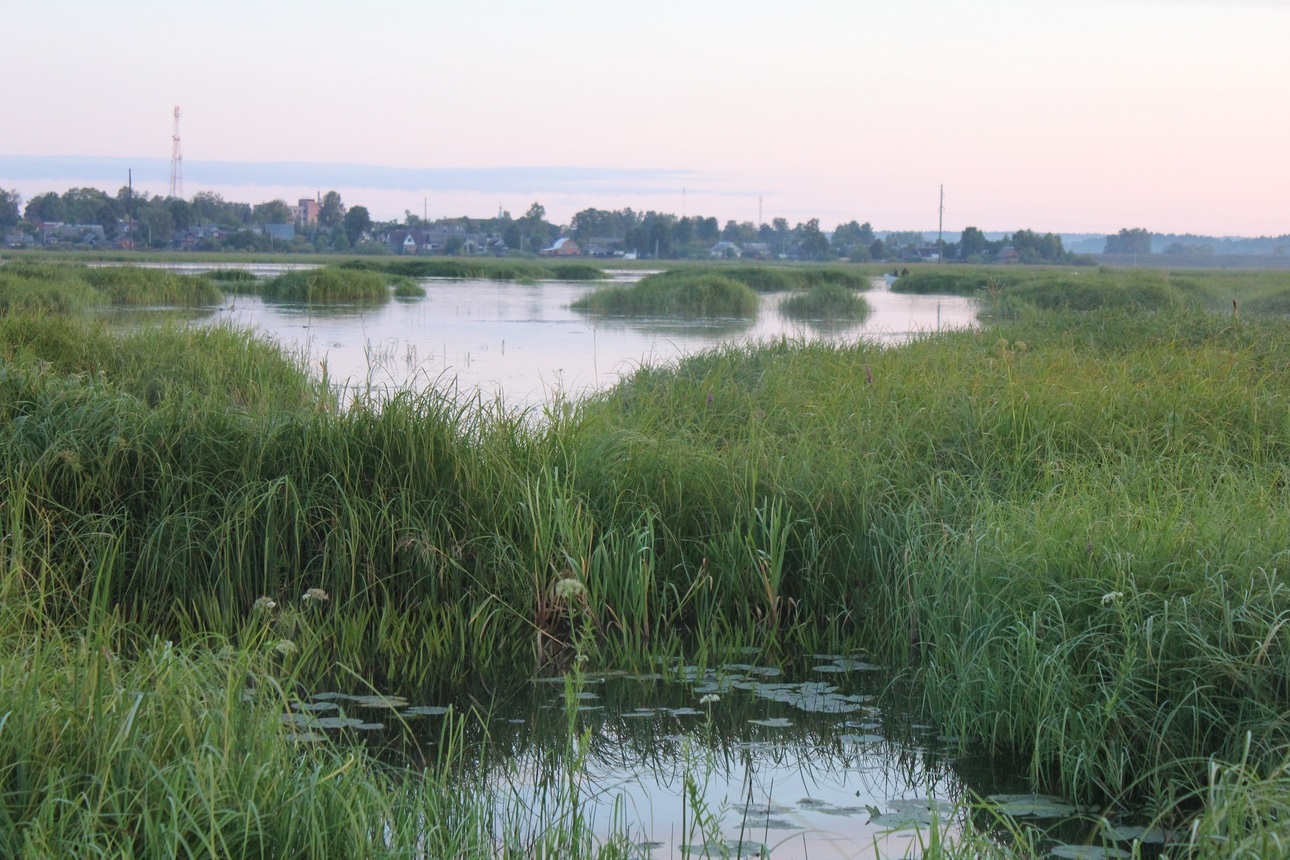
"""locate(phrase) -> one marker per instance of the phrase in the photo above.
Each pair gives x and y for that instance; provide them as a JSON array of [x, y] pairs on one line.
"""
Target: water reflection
[[805, 766], [522, 343]]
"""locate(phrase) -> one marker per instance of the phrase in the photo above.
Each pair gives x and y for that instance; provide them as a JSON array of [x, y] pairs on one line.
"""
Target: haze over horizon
[[1070, 117]]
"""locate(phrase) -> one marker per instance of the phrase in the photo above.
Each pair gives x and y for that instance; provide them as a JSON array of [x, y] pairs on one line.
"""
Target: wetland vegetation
[[1065, 531]]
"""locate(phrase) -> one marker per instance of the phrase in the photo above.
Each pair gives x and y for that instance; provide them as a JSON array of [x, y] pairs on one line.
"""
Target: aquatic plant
[[328, 284], [826, 302], [681, 294]]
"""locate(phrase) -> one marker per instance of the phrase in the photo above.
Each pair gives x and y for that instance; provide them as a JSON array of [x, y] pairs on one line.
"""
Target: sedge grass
[[826, 302], [328, 284], [1067, 527], [686, 293]]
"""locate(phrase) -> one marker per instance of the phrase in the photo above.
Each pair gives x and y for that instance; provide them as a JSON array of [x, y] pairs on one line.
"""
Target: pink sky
[[1068, 116]]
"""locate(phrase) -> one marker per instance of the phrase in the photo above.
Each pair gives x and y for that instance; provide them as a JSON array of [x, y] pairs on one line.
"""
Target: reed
[[686, 294], [328, 284], [480, 268], [825, 302], [1066, 528]]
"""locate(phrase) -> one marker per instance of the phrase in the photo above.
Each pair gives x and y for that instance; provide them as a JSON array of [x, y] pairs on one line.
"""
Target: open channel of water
[[521, 342]]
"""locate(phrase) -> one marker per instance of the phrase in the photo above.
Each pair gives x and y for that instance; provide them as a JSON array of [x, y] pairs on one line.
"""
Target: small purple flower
[[868, 375], [709, 398]]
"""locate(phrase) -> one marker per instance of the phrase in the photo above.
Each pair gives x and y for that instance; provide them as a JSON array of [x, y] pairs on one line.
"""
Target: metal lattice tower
[[176, 161]]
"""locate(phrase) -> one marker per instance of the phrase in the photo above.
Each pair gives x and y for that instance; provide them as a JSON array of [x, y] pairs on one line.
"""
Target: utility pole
[[940, 230], [176, 161]]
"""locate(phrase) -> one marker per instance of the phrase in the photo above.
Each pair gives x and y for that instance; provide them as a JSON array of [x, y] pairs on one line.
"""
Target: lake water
[[521, 342], [740, 760]]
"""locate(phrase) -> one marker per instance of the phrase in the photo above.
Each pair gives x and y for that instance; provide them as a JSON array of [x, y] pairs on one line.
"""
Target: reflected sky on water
[[522, 343]]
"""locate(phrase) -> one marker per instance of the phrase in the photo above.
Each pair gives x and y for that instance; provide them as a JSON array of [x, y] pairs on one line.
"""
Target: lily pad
[[861, 739], [1088, 852], [773, 722], [426, 711], [907, 814], [1135, 833], [1032, 805], [380, 702]]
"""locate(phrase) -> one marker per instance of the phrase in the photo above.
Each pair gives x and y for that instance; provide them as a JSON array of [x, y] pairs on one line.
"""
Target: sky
[[1063, 116]]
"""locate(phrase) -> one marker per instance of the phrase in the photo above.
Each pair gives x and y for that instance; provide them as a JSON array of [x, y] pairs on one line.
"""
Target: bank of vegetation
[[1066, 529], [482, 268], [684, 293], [827, 302]]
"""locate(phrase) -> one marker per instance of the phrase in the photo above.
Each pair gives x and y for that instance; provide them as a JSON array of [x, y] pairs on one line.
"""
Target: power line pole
[[940, 229], [176, 161]]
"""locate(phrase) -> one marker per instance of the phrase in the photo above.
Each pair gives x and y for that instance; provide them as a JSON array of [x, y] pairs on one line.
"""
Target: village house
[[562, 247]]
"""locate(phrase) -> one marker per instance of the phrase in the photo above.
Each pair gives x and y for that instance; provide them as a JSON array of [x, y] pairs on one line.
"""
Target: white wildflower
[[265, 604], [315, 594], [709, 699], [285, 647], [569, 588], [1112, 597]]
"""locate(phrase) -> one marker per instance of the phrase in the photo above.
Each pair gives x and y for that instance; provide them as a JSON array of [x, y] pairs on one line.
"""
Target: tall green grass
[[687, 293], [825, 302], [483, 268], [41, 287], [328, 284], [1066, 528]]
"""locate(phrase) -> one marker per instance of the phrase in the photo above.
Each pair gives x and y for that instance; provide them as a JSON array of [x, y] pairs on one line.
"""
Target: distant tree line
[[209, 222]]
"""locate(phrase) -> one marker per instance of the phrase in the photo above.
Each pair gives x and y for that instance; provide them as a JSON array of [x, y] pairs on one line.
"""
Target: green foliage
[[685, 293], [826, 302], [1067, 528], [481, 268], [131, 285], [407, 288], [327, 284]]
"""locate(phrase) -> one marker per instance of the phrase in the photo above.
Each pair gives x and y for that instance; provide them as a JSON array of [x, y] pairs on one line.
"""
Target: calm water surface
[[523, 344], [741, 760]]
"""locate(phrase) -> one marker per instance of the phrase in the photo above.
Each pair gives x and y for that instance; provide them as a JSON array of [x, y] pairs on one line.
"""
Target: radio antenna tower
[[176, 161]]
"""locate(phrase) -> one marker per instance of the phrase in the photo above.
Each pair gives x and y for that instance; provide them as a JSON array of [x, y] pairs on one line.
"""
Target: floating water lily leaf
[[309, 721], [425, 711], [378, 701], [1088, 852], [733, 848], [773, 722], [315, 707], [778, 824], [684, 712], [861, 739], [1034, 805], [1135, 833], [906, 814]]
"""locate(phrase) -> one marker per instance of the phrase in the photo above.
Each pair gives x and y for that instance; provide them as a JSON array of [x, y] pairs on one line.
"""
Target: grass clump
[[64, 288], [481, 268], [327, 284], [684, 293], [61, 290], [826, 302], [407, 288], [131, 285]]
